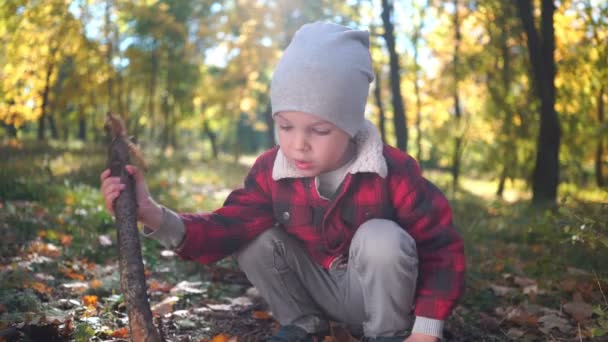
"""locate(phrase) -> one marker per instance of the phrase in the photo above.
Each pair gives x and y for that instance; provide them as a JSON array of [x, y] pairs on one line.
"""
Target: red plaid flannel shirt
[[326, 228]]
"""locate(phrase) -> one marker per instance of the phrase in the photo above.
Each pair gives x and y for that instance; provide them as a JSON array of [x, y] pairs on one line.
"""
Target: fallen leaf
[[523, 281], [580, 311], [502, 291], [105, 240], [39, 287], [261, 315], [186, 287], [185, 324], [66, 240], [515, 333], [121, 333], [166, 306], [95, 283], [521, 316], [549, 322], [90, 301], [220, 338]]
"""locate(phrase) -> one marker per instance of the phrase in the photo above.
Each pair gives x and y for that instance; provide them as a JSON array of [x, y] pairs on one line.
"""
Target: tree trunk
[[82, 127], [501, 182], [132, 278], [399, 118], [415, 42], [53, 126], [457, 110], [45, 100], [212, 139], [599, 153], [378, 98], [109, 51], [269, 126], [541, 50]]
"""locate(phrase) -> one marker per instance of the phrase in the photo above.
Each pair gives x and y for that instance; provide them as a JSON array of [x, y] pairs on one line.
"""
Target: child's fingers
[[105, 174], [109, 184], [135, 172]]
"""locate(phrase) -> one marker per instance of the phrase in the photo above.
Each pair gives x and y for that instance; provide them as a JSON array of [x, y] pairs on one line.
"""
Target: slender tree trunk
[[132, 277], [108, 37], [212, 139], [45, 100], [415, 43], [541, 50], [599, 152], [269, 126], [380, 105], [82, 125], [457, 110], [501, 182], [53, 126], [399, 117]]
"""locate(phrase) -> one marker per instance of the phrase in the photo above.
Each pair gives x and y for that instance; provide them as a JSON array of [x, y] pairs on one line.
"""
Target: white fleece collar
[[369, 156]]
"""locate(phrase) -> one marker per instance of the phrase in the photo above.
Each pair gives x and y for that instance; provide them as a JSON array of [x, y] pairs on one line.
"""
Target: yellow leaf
[[220, 338], [90, 301]]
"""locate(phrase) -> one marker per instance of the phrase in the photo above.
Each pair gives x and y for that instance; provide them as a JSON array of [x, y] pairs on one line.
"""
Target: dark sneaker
[[292, 333]]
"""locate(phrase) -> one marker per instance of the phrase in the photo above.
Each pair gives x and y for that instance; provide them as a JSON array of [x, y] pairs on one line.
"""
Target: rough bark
[[599, 152], [132, 278], [457, 110], [378, 98], [399, 119], [541, 50]]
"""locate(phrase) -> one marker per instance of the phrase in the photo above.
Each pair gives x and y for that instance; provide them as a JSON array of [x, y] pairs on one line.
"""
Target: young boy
[[331, 224]]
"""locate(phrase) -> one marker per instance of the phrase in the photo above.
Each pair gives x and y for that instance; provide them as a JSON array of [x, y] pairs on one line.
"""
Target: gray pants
[[373, 290]]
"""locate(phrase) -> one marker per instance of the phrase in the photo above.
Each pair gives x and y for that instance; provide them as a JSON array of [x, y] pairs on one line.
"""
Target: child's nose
[[301, 142]]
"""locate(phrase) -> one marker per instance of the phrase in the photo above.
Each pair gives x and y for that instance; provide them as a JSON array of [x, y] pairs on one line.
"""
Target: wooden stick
[[132, 278]]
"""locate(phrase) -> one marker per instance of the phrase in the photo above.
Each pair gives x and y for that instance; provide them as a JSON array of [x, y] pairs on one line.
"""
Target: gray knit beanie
[[326, 71]]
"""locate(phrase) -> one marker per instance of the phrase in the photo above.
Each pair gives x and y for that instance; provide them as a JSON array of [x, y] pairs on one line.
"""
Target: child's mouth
[[303, 165]]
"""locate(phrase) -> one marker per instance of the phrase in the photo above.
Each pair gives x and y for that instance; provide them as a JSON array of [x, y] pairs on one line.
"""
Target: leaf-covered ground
[[533, 275]]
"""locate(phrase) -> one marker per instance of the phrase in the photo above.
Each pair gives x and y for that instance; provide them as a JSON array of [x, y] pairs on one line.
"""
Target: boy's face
[[313, 145]]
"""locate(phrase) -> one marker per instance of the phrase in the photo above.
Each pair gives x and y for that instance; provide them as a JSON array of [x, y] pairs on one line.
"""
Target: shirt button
[[286, 216]]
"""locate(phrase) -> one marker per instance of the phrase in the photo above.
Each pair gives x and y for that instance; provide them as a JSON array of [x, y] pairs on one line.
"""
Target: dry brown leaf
[[39, 287], [580, 311], [521, 316], [502, 291], [95, 283], [523, 281], [549, 322], [261, 315], [165, 307], [66, 240]]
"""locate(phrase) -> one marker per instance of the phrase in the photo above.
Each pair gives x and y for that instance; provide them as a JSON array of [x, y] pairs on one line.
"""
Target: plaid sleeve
[[424, 211], [246, 213]]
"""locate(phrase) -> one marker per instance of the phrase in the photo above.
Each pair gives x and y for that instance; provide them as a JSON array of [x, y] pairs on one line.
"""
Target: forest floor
[[532, 274]]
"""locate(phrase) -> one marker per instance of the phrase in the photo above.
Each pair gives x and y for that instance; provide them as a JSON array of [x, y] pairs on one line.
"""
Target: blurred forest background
[[503, 103]]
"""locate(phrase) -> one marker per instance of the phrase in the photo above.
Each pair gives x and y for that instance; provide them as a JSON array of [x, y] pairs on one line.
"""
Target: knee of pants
[[379, 242], [261, 250]]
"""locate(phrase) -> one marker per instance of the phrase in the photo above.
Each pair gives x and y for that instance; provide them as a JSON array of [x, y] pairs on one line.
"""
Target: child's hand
[[148, 211], [421, 338]]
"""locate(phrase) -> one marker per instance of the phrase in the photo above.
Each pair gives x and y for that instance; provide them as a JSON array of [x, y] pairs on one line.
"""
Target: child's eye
[[321, 131], [285, 128]]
